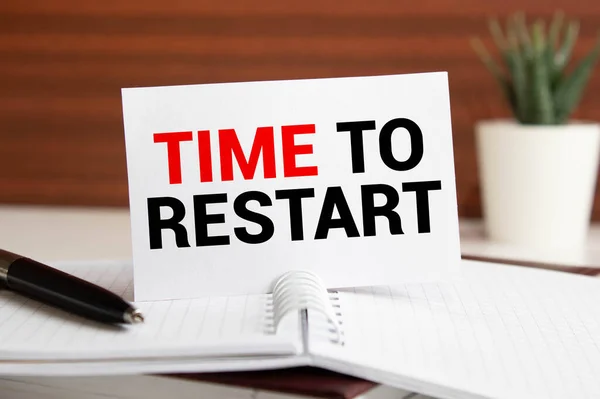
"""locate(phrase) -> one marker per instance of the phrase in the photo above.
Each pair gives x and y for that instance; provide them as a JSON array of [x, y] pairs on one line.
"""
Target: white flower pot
[[537, 183]]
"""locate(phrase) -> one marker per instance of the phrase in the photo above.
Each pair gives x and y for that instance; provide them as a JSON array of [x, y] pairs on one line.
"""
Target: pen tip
[[133, 316]]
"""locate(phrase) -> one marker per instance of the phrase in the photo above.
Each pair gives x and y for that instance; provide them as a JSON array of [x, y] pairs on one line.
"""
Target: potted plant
[[538, 170]]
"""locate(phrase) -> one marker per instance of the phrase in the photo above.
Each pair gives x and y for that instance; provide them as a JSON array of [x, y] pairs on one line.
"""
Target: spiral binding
[[303, 290]]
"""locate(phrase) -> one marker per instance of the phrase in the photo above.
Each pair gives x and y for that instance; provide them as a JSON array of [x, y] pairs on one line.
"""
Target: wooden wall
[[63, 62]]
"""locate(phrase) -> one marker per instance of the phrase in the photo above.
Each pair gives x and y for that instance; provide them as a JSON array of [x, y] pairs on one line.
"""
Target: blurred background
[[63, 63]]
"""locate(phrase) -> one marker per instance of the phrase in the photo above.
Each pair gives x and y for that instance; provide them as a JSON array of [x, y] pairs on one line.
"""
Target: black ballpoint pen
[[57, 288]]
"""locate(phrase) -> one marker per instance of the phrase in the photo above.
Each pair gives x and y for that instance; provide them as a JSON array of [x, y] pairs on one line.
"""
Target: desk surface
[[56, 233]]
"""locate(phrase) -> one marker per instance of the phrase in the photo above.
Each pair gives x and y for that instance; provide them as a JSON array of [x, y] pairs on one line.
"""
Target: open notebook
[[495, 331]]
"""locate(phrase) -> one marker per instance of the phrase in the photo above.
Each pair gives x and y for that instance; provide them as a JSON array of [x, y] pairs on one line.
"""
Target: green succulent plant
[[534, 76]]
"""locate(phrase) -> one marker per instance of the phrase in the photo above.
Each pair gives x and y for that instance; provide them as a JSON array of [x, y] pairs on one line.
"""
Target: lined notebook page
[[215, 326], [500, 332]]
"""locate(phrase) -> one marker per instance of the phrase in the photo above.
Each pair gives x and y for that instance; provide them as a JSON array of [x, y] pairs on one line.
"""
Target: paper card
[[231, 185]]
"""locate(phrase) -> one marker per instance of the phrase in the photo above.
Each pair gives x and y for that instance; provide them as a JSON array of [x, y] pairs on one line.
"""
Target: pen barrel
[[65, 291]]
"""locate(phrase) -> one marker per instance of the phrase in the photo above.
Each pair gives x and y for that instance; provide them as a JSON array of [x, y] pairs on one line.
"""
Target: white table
[[474, 242], [54, 233]]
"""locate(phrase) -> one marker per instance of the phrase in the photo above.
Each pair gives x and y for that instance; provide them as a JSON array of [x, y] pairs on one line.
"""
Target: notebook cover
[[307, 381]]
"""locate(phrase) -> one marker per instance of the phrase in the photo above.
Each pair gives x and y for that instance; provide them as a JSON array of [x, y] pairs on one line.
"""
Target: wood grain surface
[[63, 63]]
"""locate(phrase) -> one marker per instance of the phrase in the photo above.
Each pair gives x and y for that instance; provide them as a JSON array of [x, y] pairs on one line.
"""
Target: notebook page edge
[[68, 337], [400, 381], [161, 366]]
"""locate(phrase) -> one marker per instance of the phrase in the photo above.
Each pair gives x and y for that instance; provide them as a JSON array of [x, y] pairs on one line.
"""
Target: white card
[[231, 185]]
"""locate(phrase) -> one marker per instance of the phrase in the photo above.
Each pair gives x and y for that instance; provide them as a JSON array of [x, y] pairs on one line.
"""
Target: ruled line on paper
[[31, 325]]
